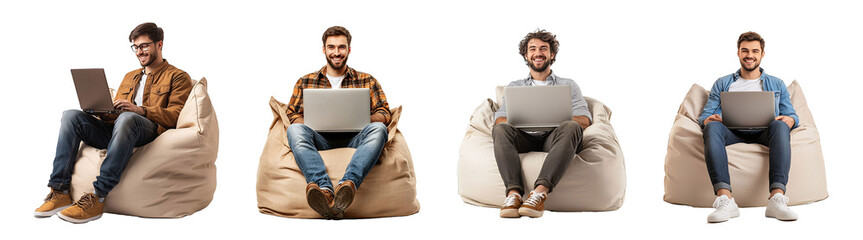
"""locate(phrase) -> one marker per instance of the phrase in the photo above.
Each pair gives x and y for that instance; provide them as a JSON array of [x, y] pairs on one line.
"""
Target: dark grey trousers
[[561, 144]]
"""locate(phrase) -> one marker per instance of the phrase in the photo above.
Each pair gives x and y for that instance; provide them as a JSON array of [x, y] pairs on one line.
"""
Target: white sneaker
[[726, 209], [777, 207]]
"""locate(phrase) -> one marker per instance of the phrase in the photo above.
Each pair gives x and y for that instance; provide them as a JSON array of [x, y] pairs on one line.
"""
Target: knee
[[779, 126], [713, 130], [126, 118], [502, 129], [571, 126], [297, 131], [376, 127], [126, 121], [72, 115]]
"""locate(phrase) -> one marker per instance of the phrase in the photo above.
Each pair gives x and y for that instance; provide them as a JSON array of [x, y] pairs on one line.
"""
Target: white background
[[439, 60]]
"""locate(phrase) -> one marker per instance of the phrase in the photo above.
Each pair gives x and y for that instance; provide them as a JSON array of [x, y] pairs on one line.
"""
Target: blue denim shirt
[[579, 106], [769, 83]]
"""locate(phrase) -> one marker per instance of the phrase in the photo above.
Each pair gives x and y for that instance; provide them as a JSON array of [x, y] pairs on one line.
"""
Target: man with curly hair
[[539, 50]]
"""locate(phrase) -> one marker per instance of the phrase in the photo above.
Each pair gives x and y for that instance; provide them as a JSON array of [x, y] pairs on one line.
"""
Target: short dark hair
[[750, 36], [542, 35], [152, 31], [336, 31]]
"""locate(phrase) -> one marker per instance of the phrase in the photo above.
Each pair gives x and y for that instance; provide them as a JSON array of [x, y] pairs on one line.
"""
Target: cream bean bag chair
[[594, 181], [388, 190], [686, 178], [173, 176]]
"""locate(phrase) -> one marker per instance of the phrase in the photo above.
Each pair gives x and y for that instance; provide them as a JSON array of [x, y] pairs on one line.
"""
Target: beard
[[150, 59], [743, 65], [340, 66], [542, 68]]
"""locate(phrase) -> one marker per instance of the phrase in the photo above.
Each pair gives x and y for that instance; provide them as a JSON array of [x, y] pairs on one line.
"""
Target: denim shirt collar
[[763, 76], [552, 79]]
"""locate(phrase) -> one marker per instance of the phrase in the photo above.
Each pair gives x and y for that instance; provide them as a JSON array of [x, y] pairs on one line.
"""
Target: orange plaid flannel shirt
[[353, 79]]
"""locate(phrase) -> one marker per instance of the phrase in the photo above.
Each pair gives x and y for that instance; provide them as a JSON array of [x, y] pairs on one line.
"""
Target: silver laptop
[[538, 107], [747, 110], [336, 110], [93, 93]]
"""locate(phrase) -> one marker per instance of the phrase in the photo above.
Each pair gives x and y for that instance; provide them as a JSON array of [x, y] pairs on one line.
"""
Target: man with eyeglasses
[[150, 100]]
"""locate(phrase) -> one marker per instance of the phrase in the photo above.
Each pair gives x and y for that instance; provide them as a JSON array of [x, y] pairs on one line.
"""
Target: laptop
[[93, 93], [748, 110], [336, 110], [538, 107]]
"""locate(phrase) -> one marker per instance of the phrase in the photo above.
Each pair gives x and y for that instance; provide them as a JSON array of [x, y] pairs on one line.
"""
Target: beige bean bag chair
[[686, 178], [388, 190], [173, 176], [594, 181]]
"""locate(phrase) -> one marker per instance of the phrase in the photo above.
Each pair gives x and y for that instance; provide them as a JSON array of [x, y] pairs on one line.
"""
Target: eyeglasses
[[143, 46]]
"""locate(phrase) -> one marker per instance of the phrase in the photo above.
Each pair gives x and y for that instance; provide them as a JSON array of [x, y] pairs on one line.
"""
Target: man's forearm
[[500, 120], [378, 117], [581, 120]]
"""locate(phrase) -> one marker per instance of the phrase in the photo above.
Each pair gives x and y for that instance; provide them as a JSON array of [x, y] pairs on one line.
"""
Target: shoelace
[[781, 201], [722, 202], [52, 195], [510, 200], [86, 201], [534, 199]]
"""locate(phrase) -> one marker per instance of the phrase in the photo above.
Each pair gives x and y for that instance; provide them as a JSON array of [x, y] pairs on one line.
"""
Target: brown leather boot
[[55, 202], [345, 193], [320, 200], [86, 209]]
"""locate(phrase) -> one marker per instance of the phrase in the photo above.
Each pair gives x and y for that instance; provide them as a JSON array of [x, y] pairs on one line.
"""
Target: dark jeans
[[305, 143], [128, 131], [777, 137], [561, 144]]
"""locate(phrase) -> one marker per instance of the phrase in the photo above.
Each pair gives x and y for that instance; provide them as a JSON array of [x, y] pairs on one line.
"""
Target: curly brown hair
[[542, 35], [336, 31], [750, 36]]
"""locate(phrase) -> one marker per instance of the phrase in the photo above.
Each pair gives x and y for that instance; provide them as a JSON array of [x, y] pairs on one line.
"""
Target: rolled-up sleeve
[[579, 105]]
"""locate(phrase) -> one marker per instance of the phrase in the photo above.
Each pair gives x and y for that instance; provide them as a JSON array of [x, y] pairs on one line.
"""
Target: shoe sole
[[733, 215], [318, 202], [509, 213], [342, 201], [530, 212], [78, 221], [780, 219], [50, 213]]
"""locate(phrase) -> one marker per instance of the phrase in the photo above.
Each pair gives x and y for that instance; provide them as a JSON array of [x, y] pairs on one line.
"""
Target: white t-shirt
[[336, 82], [139, 91], [746, 85], [539, 83]]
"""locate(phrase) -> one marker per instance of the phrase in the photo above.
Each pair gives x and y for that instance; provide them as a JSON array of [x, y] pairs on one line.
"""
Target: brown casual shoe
[[510, 206], [534, 206], [55, 201], [345, 193], [86, 209], [320, 200]]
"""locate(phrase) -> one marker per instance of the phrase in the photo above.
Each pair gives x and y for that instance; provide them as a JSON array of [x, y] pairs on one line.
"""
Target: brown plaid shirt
[[353, 79]]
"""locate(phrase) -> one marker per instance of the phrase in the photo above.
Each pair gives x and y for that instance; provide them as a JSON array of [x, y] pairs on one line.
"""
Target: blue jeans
[[305, 143], [777, 137], [128, 131]]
